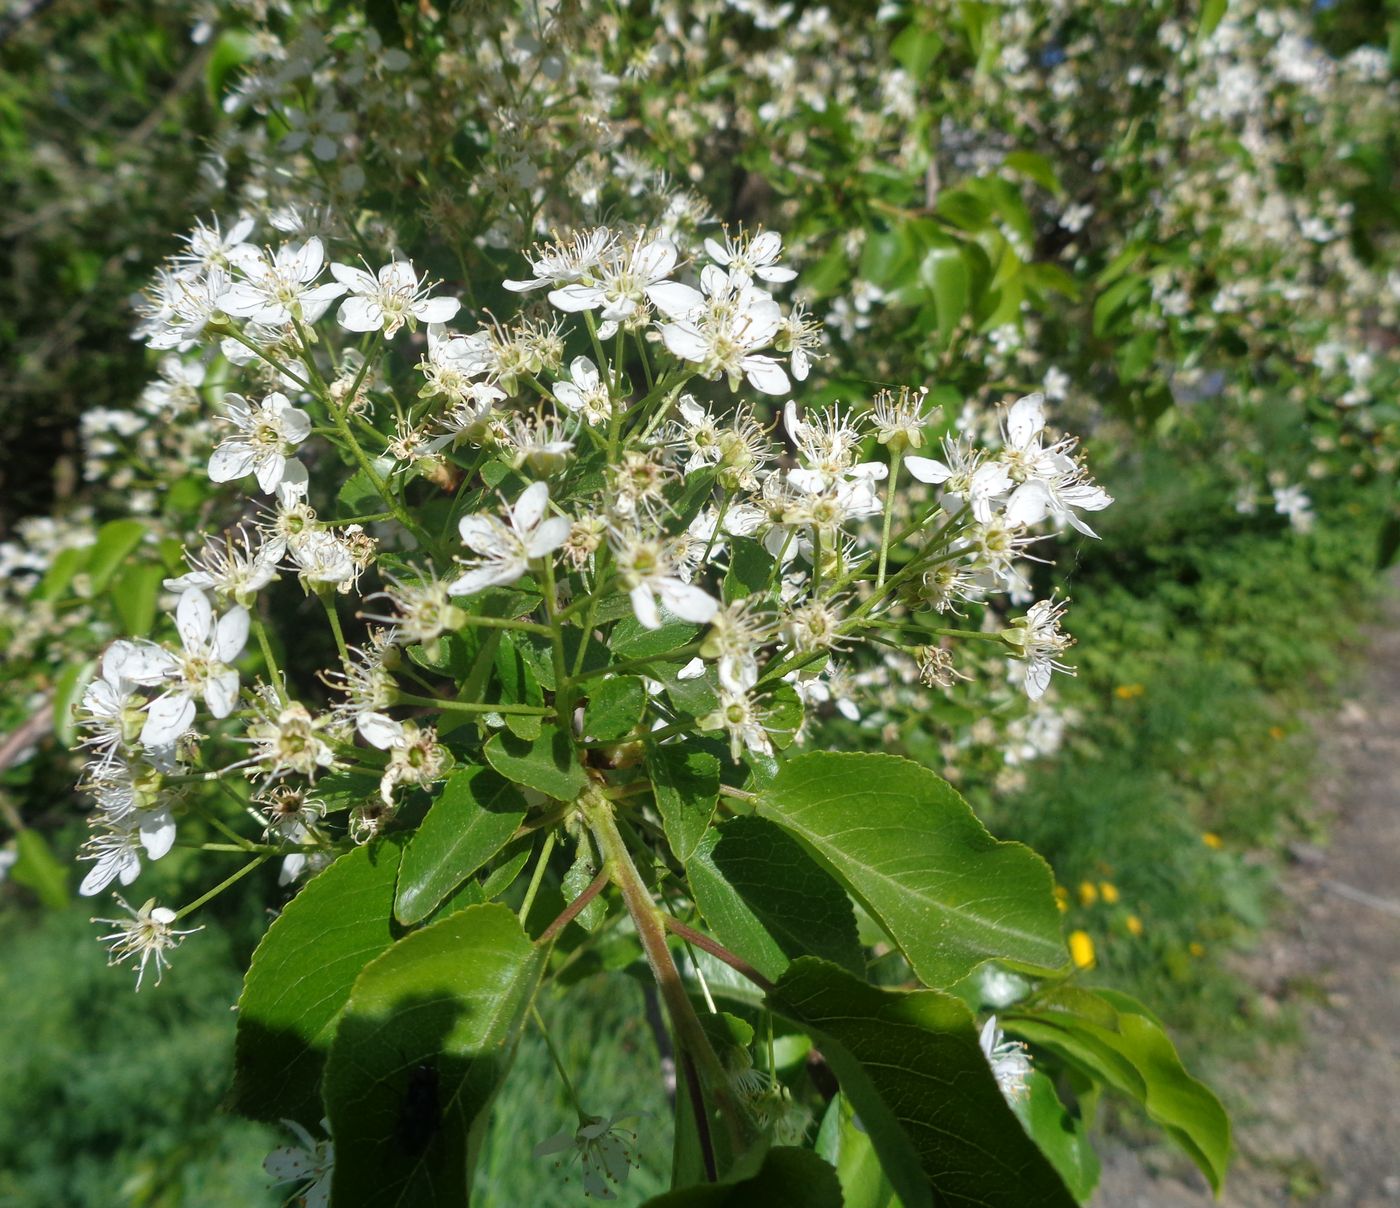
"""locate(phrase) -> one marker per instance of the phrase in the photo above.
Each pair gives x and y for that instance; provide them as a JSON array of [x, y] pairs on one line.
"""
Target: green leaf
[[788, 1176], [912, 852], [358, 496], [577, 879], [846, 1145], [1059, 1134], [38, 871], [1036, 167], [769, 901], [134, 594], [65, 565], [631, 640], [1212, 13], [614, 707], [911, 1066], [1115, 1040], [115, 541], [425, 1041], [67, 692], [300, 979], [547, 764], [783, 716], [944, 272], [750, 569], [472, 819], [685, 782]]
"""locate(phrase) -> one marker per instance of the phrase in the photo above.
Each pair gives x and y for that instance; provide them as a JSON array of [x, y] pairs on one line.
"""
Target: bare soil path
[[1322, 1125]]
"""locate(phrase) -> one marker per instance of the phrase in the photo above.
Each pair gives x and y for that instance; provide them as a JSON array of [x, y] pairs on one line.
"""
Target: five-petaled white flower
[[387, 301], [606, 1153], [203, 669], [1037, 638], [277, 286], [265, 435], [746, 258], [146, 936], [587, 395], [507, 548], [622, 282], [652, 578], [722, 329], [1045, 480]]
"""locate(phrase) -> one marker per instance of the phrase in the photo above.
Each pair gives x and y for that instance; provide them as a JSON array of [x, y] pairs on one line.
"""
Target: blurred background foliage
[[1208, 639]]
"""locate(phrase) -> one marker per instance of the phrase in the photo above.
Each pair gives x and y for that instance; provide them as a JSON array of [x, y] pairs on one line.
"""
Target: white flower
[[605, 1152], [231, 567], [507, 548], [747, 258], [202, 670], [965, 475], [310, 1164], [721, 330], [277, 287], [741, 719], [116, 852], [622, 282], [414, 756], [1045, 481], [1293, 502], [325, 129], [566, 261], [1037, 638], [1011, 1064], [386, 302], [180, 308], [587, 395], [146, 936], [650, 576], [266, 435]]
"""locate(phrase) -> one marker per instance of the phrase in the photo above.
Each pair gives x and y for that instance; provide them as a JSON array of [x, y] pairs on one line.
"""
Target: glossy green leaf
[[115, 541], [614, 707], [767, 900], [67, 693], [1212, 13], [580, 875], [1060, 1135], [424, 1043], [473, 817], [300, 979], [910, 1063], [787, 1176], [1115, 1040], [944, 273], [38, 871], [843, 1141], [750, 569], [685, 782], [134, 593], [631, 640], [911, 851], [1036, 167], [547, 764]]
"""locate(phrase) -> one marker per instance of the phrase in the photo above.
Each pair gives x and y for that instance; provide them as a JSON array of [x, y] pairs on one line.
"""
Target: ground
[[1323, 1123]]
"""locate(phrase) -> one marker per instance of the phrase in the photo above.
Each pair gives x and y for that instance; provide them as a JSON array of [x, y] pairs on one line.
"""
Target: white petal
[[296, 424], [221, 692], [926, 469], [687, 601], [584, 372], [157, 832], [675, 300], [492, 574], [654, 261], [268, 470], [379, 730], [577, 297], [767, 375], [549, 536], [530, 506], [436, 310], [194, 620], [1029, 503], [483, 534], [1025, 419], [644, 605], [229, 462], [230, 634], [684, 341], [167, 719], [360, 314]]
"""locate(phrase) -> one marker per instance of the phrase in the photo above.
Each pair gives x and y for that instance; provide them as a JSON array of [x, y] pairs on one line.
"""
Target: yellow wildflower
[[1081, 949], [1128, 691], [1134, 925], [1212, 840], [1109, 892], [1088, 895]]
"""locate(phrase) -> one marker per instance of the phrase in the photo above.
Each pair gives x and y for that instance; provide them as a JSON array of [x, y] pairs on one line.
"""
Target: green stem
[[222, 885], [563, 690], [895, 459], [545, 851], [334, 618], [472, 706], [651, 931], [265, 646], [559, 1065]]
